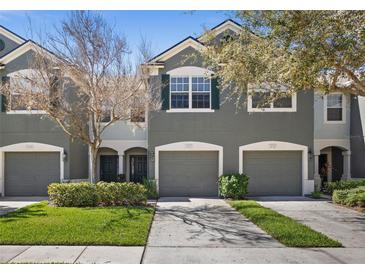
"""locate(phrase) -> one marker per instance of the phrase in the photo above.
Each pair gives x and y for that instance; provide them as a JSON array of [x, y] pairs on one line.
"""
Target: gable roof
[[196, 43], [23, 48], [11, 35], [228, 24], [187, 42]]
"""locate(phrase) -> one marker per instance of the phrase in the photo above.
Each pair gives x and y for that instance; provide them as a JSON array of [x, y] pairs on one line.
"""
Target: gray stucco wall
[[9, 45], [229, 127], [357, 140], [324, 130], [124, 130], [18, 128]]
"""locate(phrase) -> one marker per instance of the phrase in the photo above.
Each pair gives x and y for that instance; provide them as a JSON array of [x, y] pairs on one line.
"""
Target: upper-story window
[[190, 92], [334, 108], [20, 87], [265, 101]]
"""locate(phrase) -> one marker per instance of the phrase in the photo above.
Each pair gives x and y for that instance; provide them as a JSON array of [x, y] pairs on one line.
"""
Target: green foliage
[[350, 197], [316, 195], [88, 194], [41, 224], [302, 50], [233, 186], [73, 194], [121, 194], [151, 187], [286, 230], [345, 184]]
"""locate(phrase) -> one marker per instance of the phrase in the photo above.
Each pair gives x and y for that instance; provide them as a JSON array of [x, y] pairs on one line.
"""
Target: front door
[[108, 168], [138, 168]]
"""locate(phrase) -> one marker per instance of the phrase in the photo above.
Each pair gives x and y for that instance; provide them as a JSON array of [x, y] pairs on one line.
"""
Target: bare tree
[[85, 82]]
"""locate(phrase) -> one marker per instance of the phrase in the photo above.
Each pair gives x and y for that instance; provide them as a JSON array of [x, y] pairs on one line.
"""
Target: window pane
[[180, 100], [179, 83], [334, 114], [334, 101], [260, 100], [201, 100], [284, 102], [200, 84]]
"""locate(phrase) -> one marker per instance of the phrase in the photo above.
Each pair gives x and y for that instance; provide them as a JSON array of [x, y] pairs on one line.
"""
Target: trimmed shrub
[[87, 194], [315, 195], [121, 194], [350, 197], [233, 186], [73, 194], [150, 185], [341, 185]]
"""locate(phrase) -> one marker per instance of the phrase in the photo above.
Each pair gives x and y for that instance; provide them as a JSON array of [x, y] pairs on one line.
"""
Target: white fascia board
[[22, 50], [11, 36], [229, 25], [173, 51]]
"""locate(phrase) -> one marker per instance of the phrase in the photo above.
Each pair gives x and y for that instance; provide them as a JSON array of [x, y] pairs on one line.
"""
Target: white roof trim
[[11, 35], [190, 42], [190, 70], [20, 51], [228, 25]]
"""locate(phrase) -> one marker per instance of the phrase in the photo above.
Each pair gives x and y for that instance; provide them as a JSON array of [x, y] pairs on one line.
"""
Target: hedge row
[[342, 185], [350, 197], [87, 194]]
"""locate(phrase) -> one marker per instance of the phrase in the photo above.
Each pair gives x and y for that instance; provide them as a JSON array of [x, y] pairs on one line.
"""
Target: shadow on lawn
[[36, 210]]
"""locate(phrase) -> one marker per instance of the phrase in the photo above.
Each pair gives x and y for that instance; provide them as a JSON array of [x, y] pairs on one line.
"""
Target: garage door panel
[[188, 173], [29, 173], [273, 172]]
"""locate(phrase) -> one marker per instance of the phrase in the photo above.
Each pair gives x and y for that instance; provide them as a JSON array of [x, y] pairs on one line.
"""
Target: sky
[[161, 28]]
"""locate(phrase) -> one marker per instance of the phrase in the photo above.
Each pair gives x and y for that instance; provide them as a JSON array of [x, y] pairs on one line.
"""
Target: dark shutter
[[215, 94], [165, 91], [4, 79]]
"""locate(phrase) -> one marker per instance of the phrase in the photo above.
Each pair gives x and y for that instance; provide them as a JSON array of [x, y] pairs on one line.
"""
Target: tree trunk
[[93, 152]]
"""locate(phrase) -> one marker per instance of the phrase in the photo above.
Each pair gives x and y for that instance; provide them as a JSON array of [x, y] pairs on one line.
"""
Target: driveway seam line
[[17, 255], [149, 231], [78, 257]]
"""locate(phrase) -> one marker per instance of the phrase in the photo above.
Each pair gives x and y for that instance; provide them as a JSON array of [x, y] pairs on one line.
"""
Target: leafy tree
[[299, 50]]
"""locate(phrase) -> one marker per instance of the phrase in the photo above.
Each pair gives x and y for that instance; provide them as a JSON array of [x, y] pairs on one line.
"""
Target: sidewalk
[[71, 254], [190, 255]]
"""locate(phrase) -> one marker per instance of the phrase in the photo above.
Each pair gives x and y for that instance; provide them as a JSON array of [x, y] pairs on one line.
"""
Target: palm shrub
[[151, 187], [233, 186]]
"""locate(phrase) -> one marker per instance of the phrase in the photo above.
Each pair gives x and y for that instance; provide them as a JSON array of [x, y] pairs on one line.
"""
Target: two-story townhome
[[195, 137]]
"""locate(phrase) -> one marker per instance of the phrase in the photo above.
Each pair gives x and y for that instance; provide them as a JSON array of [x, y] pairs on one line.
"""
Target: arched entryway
[[107, 165], [333, 164], [136, 164]]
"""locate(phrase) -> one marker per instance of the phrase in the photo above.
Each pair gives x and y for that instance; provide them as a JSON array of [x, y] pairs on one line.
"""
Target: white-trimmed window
[[334, 108], [179, 92], [18, 80], [260, 102], [190, 93]]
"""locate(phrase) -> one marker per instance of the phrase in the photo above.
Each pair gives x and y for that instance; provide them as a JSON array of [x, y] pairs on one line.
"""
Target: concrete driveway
[[9, 204], [343, 224], [191, 230]]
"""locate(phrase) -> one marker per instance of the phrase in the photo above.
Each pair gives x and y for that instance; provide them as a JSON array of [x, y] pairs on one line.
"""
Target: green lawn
[[286, 230], [41, 224]]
